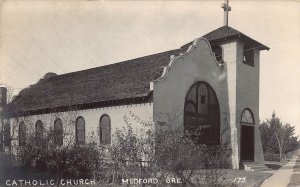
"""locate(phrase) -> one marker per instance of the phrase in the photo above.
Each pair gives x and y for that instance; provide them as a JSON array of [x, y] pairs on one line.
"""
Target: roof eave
[[10, 113], [257, 45]]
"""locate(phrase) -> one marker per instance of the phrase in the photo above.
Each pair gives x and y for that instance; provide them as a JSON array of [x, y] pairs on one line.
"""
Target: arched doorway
[[247, 136], [202, 114]]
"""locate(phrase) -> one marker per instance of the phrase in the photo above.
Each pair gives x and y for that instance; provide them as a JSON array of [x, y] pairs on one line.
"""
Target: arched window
[[6, 134], [202, 114], [22, 134], [58, 132], [247, 117], [247, 134], [39, 131], [80, 130], [104, 130]]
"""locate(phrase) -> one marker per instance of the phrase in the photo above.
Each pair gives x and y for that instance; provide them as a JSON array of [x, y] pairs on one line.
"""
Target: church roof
[[106, 85], [227, 33], [119, 81]]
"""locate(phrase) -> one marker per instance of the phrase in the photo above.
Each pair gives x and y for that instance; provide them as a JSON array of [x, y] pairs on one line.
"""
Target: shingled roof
[[119, 81], [227, 33], [123, 80]]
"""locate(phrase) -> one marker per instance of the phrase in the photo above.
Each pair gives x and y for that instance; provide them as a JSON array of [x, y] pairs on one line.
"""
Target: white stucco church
[[211, 83]]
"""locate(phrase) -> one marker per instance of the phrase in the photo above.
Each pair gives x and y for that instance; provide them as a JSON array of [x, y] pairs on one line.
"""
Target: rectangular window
[[248, 56], [218, 53]]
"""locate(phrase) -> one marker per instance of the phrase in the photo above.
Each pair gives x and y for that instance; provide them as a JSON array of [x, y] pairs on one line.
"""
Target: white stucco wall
[[243, 92], [236, 86], [135, 114], [170, 92], [199, 64], [230, 51], [248, 97]]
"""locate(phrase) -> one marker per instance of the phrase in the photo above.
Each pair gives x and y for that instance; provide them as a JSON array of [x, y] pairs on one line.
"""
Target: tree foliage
[[193, 163], [278, 137]]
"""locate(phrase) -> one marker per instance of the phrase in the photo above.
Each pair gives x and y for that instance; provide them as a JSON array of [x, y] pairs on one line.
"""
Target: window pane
[[218, 53], [190, 107], [247, 117], [202, 104], [248, 56], [80, 130], [105, 135], [191, 123], [39, 131], [192, 94], [202, 114], [58, 132], [22, 134]]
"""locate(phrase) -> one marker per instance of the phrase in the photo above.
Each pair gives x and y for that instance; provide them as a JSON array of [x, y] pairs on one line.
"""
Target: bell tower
[[240, 57]]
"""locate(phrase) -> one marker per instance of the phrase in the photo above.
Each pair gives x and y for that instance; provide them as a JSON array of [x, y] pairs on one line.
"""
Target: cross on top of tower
[[226, 8]]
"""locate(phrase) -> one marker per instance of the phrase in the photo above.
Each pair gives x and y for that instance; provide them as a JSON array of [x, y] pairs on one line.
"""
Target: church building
[[205, 85]]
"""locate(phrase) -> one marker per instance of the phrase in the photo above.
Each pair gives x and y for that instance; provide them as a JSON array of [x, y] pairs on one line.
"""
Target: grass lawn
[[239, 178], [252, 178], [232, 177], [295, 180]]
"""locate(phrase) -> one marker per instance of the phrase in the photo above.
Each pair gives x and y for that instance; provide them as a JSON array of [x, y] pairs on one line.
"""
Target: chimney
[[3, 96]]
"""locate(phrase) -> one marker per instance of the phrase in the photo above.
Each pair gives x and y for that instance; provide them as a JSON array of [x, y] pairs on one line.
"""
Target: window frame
[[194, 100], [76, 131], [252, 117], [101, 138], [58, 132], [39, 134], [219, 53], [248, 56]]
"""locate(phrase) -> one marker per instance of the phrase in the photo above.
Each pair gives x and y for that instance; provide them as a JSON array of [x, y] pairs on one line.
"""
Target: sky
[[61, 36]]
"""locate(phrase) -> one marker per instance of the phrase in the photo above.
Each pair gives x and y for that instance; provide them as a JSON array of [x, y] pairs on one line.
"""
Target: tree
[[278, 137]]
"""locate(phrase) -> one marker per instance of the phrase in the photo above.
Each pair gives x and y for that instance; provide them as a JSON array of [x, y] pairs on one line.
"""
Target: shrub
[[272, 157], [129, 155], [72, 161], [186, 159], [133, 153]]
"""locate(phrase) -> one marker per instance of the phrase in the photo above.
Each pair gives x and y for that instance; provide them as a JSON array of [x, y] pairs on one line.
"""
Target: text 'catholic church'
[[211, 83]]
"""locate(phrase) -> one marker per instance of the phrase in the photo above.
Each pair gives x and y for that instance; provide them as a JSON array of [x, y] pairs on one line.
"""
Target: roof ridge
[[115, 64]]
